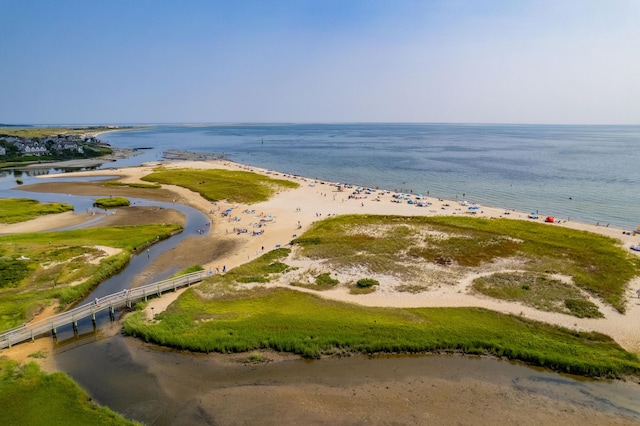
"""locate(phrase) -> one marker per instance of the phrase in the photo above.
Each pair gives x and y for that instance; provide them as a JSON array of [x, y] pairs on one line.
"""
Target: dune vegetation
[[596, 264], [225, 315]]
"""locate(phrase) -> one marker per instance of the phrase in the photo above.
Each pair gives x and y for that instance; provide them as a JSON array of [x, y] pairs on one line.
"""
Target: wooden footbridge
[[124, 298]]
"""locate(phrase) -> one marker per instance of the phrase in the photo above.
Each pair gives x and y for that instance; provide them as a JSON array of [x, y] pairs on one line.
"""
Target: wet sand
[[213, 389], [164, 387]]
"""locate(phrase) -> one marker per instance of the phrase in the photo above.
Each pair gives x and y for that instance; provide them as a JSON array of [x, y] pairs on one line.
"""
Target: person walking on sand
[[638, 293]]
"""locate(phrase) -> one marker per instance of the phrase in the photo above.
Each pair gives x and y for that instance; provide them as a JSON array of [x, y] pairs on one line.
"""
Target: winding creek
[[165, 387]]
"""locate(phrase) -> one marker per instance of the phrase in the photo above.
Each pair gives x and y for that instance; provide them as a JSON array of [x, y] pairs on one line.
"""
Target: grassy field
[[225, 316], [391, 244], [286, 320], [36, 268], [217, 185], [14, 210], [42, 132], [30, 397]]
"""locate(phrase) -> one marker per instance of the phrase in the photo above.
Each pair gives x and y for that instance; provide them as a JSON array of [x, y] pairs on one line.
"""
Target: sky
[[453, 61]]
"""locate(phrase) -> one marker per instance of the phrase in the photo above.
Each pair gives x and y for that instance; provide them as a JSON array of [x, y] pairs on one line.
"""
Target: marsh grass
[[385, 244], [30, 397], [111, 202], [259, 270], [54, 260], [217, 185], [538, 291], [14, 210], [290, 321], [134, 185], [189, 270]]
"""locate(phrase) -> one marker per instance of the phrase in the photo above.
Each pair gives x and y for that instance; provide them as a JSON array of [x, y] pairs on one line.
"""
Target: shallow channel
[[165, 387], [162, 387]]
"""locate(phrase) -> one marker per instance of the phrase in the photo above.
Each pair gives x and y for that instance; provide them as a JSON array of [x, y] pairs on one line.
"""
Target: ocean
[[583, 173]]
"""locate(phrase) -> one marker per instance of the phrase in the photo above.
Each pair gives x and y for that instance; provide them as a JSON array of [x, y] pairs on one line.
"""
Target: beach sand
[[293, 211], [313, 201]]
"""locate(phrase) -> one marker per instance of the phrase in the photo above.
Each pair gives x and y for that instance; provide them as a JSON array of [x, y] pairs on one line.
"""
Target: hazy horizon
[[312, 61]]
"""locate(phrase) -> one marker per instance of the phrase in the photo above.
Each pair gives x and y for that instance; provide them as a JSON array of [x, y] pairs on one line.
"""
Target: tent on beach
[[550, 219]]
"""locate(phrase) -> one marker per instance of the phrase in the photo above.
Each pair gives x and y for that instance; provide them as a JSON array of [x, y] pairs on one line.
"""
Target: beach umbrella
[[228, 211]]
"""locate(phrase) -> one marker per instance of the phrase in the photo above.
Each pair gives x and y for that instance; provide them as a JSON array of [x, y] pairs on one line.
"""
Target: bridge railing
[[110, 302]]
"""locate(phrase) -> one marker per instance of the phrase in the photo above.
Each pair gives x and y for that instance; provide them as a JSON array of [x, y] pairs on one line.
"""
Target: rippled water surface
[[586, 173]]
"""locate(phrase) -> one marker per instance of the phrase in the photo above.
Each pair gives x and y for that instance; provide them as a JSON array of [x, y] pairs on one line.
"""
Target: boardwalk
[[110, 303]]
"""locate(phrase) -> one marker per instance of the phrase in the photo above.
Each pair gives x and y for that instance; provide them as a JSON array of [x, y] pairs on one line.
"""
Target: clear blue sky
[[461, 61]]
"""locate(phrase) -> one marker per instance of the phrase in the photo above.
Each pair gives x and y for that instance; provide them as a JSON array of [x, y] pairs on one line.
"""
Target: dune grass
[[29, 396], [14, 210], [539, 291], [217, 185], [221, 315], [386, 244], [286, 320], [36, 268]]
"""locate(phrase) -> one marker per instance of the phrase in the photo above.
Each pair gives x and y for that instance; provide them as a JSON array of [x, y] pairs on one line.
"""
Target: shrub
[[583, 308], [325, 280], [367, 282]]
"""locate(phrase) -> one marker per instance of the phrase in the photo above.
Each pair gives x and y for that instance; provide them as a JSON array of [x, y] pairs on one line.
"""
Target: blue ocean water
[[585, 173]]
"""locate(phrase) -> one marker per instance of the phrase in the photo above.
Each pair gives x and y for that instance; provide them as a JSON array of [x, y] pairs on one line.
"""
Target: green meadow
[[311, 326], [217, 185], [14, 210], [223, 315], [29, 396], [37, 268]]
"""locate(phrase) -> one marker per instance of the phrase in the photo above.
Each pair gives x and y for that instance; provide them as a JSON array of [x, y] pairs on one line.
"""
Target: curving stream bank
[[159, 386]]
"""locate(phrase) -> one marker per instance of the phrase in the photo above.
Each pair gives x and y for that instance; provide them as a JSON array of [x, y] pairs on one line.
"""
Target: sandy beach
[[291, 212]]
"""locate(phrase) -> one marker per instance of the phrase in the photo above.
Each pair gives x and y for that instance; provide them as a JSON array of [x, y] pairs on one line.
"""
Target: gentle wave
[[588, 173]]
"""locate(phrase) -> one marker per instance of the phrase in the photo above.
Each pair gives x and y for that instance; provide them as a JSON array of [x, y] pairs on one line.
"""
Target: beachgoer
[[224, 268], [638, 292], [96, 301]]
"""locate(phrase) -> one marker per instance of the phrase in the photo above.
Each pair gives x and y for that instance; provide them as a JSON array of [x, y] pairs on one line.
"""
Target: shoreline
[[294, 211]]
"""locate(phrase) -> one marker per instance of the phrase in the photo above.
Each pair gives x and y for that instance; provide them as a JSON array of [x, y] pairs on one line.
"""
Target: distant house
[[3, 151], [66, 145], [31, 147]]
